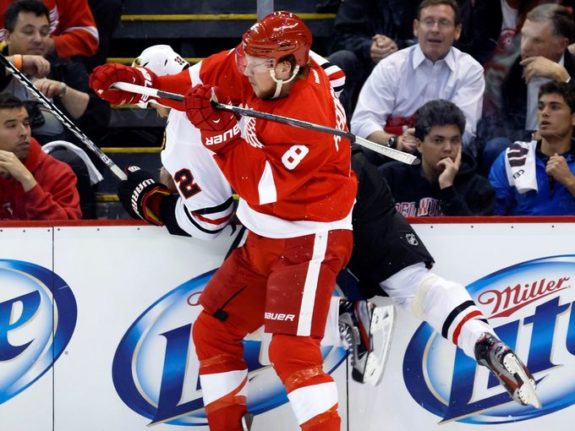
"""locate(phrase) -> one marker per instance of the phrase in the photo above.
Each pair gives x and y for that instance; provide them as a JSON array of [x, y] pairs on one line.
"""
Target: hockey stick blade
[[407, 158], [62, 117]]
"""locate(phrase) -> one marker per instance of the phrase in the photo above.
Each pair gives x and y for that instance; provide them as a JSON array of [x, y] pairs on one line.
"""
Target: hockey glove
[[104, 76], [217, 127], [142, 196]]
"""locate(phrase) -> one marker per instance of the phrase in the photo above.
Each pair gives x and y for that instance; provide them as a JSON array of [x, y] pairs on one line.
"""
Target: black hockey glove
[[141, 195]]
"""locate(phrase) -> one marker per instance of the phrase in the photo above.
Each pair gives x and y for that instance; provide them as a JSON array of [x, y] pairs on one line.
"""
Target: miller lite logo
[[530, 306], [37, 319]]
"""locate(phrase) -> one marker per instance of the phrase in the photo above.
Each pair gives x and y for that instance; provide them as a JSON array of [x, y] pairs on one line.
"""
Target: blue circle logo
[[37, 319]]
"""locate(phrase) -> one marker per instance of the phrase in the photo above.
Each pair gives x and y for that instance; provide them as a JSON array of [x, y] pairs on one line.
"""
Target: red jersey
[[72, 27], [54, 197], [291, 181]]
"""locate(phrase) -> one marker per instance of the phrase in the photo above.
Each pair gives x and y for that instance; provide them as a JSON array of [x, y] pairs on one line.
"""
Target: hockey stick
[[62, 117], [407, 158]]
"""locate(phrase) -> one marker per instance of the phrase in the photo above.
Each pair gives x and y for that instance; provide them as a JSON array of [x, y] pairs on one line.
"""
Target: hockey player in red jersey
[[296, 193]]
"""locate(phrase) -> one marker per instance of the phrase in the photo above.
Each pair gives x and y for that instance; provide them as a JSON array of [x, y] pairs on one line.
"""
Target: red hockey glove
[[199, 109], [141, 195], [102, 77], [217, 127]]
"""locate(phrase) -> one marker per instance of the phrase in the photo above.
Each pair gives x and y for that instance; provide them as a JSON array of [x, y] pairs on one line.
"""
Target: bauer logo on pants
[[155, 369], [32, 300], [530, 305]]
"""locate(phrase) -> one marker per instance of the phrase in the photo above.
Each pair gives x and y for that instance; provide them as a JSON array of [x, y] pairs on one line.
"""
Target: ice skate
[[366, 330], [508, 368]]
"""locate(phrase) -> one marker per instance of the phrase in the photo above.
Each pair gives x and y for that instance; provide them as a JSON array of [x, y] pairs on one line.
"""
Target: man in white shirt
[[405, 80]]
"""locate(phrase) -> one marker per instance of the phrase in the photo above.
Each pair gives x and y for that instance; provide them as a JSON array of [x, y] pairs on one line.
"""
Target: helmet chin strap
[[281, 82]]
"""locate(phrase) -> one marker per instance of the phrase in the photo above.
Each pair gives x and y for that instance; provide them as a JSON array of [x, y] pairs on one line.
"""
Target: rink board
[[95, 323]]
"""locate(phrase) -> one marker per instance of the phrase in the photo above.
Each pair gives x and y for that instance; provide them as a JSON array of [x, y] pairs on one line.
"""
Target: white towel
[[520, 166], [95, 175]]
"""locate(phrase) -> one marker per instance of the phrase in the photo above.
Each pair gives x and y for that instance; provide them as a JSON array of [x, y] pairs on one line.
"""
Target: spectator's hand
[[407, 141], [12, 167], [35, 65], [50, 88], [102, 77], [558, 169], [449, 169], [218, 127], [141, 195], [381, 47], [543, 67]]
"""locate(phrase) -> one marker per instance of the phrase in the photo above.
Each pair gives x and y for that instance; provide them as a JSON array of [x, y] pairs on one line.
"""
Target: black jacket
[[471, 193], [358, 20]]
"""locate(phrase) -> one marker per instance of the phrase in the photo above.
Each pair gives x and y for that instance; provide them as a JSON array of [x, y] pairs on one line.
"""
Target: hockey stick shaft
[[407, 158], [62, 117]]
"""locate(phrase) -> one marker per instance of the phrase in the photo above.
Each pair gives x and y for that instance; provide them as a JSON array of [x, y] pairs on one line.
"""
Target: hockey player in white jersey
[[204, 205]]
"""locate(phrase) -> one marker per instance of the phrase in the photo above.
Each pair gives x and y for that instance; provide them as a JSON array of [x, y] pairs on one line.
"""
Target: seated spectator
[[445, 184], [431, 69], [544, 56], [366, 32], [537, 177], [33, 185], [72, 28], [27, 24]]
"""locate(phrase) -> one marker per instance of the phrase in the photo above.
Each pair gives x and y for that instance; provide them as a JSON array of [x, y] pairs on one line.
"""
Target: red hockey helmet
[[277, 35]]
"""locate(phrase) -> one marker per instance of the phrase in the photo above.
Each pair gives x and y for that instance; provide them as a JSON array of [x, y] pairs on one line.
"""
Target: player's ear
[[283, 68]]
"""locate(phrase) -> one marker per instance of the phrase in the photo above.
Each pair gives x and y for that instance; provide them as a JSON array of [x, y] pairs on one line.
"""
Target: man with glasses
[[405, 80]]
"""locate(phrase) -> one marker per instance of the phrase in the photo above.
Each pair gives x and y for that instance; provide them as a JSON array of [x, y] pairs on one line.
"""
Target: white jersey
[[206, 204]]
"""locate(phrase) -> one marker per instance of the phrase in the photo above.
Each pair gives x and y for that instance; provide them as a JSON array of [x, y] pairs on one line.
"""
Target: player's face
[[439, 143], [15, 131], [259, 74], [436, 31], [555, 118], [539, 39], [30, 35]]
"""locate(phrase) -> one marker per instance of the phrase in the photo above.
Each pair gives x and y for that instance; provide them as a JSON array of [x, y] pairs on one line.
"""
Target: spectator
[[365, 32], [537, 177], [545, 37], [431, 69], [445, 183], [33, 185], [27, 24], [72, 29], [490, 27]]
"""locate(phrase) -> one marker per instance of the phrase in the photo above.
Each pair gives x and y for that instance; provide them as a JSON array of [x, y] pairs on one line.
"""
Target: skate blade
[[381, 330], [526, 392]]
